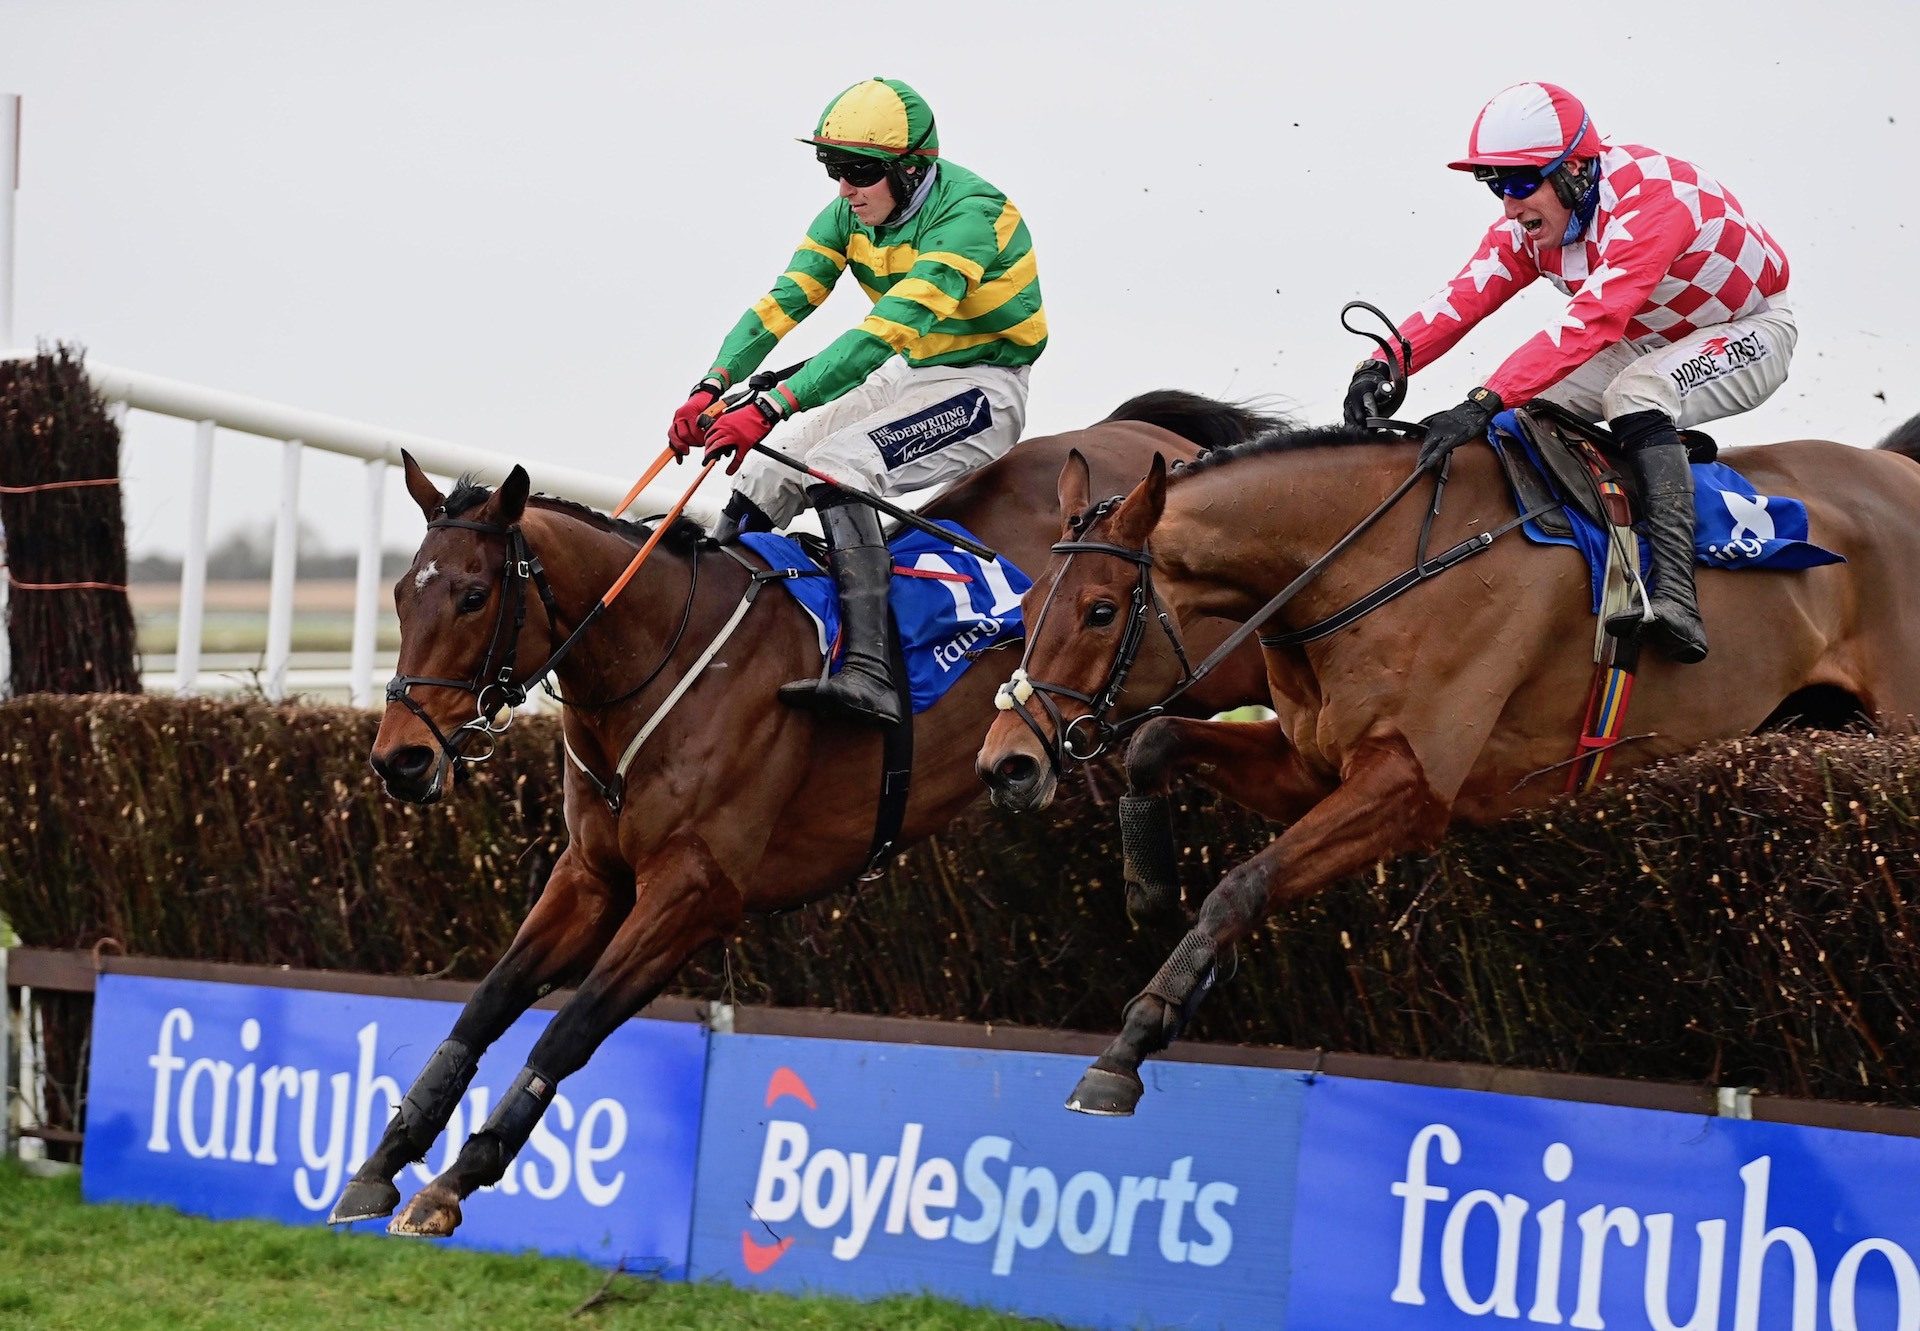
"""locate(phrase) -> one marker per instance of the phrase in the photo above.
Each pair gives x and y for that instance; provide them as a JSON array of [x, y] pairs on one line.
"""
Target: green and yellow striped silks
[[956, 285]]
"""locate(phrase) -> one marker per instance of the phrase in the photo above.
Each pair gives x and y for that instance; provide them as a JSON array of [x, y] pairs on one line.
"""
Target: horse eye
[[472, 599], [1100, 614]]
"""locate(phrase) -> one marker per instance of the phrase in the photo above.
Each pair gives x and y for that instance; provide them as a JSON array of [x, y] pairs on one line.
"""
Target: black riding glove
[[1370, 377], [1455, 426]]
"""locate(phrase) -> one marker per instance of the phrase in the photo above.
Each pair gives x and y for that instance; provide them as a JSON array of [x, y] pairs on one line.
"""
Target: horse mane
[[468, 494], [1206, 421], [1904, 439], [1284, 439]]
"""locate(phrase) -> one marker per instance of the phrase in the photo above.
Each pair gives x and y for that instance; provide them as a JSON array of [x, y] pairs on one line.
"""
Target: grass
[[64, 1264]]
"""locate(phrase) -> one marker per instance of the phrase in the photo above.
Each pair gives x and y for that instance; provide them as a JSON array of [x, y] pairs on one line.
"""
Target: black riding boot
[[740, 515], [1666, 486], [863, 689]]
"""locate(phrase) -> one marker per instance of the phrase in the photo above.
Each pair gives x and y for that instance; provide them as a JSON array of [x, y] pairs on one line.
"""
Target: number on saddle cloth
[[947, 604]]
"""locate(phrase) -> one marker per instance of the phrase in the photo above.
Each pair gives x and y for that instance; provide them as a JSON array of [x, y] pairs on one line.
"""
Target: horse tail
[[1205, 421], [1905, 440]]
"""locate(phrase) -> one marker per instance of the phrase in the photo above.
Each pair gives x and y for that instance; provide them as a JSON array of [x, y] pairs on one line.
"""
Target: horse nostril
[[408, 764], [1016, 769]]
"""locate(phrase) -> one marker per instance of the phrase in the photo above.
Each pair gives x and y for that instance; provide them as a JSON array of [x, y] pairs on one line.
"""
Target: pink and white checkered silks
[[1669, 252]]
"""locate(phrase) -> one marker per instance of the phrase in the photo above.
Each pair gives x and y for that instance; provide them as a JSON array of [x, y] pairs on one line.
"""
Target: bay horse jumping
[[1445, 705], [736, 804]]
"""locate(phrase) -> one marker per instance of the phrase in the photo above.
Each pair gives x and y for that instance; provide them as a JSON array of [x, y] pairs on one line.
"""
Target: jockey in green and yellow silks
[[930, 386]]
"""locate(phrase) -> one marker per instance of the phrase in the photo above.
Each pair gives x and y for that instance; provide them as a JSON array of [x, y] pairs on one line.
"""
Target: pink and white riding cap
[[1530, 124]]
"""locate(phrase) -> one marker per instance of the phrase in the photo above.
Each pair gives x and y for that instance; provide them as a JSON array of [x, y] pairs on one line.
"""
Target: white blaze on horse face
[[426, 575]]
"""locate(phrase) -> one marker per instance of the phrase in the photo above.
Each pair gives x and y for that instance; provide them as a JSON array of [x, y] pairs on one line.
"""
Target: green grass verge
[[64, 1264]]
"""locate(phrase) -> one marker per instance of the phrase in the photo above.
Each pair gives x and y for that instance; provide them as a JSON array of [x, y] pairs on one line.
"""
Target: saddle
[[1583, 468]]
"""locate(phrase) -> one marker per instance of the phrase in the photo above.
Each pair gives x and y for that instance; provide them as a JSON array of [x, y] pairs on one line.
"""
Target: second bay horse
[[1451, 703]]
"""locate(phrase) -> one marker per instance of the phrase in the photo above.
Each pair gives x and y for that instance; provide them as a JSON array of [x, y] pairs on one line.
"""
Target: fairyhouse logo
[[993, 1196], [1719, 1246], [303, 1128], [1457, 1209]]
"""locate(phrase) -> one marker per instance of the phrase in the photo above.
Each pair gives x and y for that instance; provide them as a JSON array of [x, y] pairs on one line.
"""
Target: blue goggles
[[1510, 182]]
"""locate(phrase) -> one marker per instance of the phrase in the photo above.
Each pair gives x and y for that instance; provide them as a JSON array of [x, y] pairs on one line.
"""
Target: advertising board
[[1443, 1209], [871, 1169], [237, 1101]]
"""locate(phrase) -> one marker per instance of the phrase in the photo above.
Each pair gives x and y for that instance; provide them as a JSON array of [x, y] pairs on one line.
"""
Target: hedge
[[1737, 916]]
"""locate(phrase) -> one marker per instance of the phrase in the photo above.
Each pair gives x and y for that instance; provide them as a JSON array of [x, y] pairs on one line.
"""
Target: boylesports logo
[[1717, 358], [989, 1197]]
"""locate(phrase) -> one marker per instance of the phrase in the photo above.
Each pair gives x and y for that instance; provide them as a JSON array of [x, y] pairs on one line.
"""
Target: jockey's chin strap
[[1013, 695]]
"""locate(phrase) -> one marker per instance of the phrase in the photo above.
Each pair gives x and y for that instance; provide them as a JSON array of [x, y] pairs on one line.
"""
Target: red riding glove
[[683, 436], [740, 429]]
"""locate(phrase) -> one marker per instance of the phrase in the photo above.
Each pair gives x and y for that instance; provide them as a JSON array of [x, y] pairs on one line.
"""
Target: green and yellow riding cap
[[880, 118]]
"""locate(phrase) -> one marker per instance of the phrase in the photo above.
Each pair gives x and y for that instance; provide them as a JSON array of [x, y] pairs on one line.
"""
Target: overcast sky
[[526, 227]]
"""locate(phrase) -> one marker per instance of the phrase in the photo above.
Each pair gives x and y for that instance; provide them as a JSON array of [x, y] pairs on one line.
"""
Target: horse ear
[[422, 489], [1143, 507], [510, 500], [1076, 478]]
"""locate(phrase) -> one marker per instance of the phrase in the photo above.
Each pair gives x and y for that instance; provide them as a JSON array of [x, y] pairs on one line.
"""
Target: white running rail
[[298, 429]]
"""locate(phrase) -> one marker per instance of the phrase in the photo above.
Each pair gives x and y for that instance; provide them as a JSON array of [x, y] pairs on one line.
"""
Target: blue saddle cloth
[[1734, 525], [946, 602]]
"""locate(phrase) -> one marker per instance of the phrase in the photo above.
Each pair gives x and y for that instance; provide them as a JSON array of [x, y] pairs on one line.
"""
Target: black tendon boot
[[740, 515], [863, 689], [1666, 486]]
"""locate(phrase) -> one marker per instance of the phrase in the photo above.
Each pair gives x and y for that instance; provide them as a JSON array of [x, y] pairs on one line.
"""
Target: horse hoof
[[364, 1199], [434, 1213], [1106, 1094]]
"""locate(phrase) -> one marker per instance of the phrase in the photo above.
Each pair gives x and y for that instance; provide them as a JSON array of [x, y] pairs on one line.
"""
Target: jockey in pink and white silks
[[1676, 312]]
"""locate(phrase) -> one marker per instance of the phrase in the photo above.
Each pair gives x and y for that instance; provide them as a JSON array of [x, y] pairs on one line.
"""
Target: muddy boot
[[863, 689], [1666, 487], [740, 515]]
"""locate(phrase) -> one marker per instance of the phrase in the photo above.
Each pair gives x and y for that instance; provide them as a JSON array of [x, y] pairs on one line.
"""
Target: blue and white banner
[[1428, 1210], [233, 1101], [872, 1169]]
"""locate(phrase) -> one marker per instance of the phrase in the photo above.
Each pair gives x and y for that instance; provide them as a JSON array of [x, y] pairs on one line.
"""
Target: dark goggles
[[859, 172], [1509, 182]]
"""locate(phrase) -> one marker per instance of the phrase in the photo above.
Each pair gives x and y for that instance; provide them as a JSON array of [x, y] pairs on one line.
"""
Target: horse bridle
[[1012, 695], [495, 690]]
